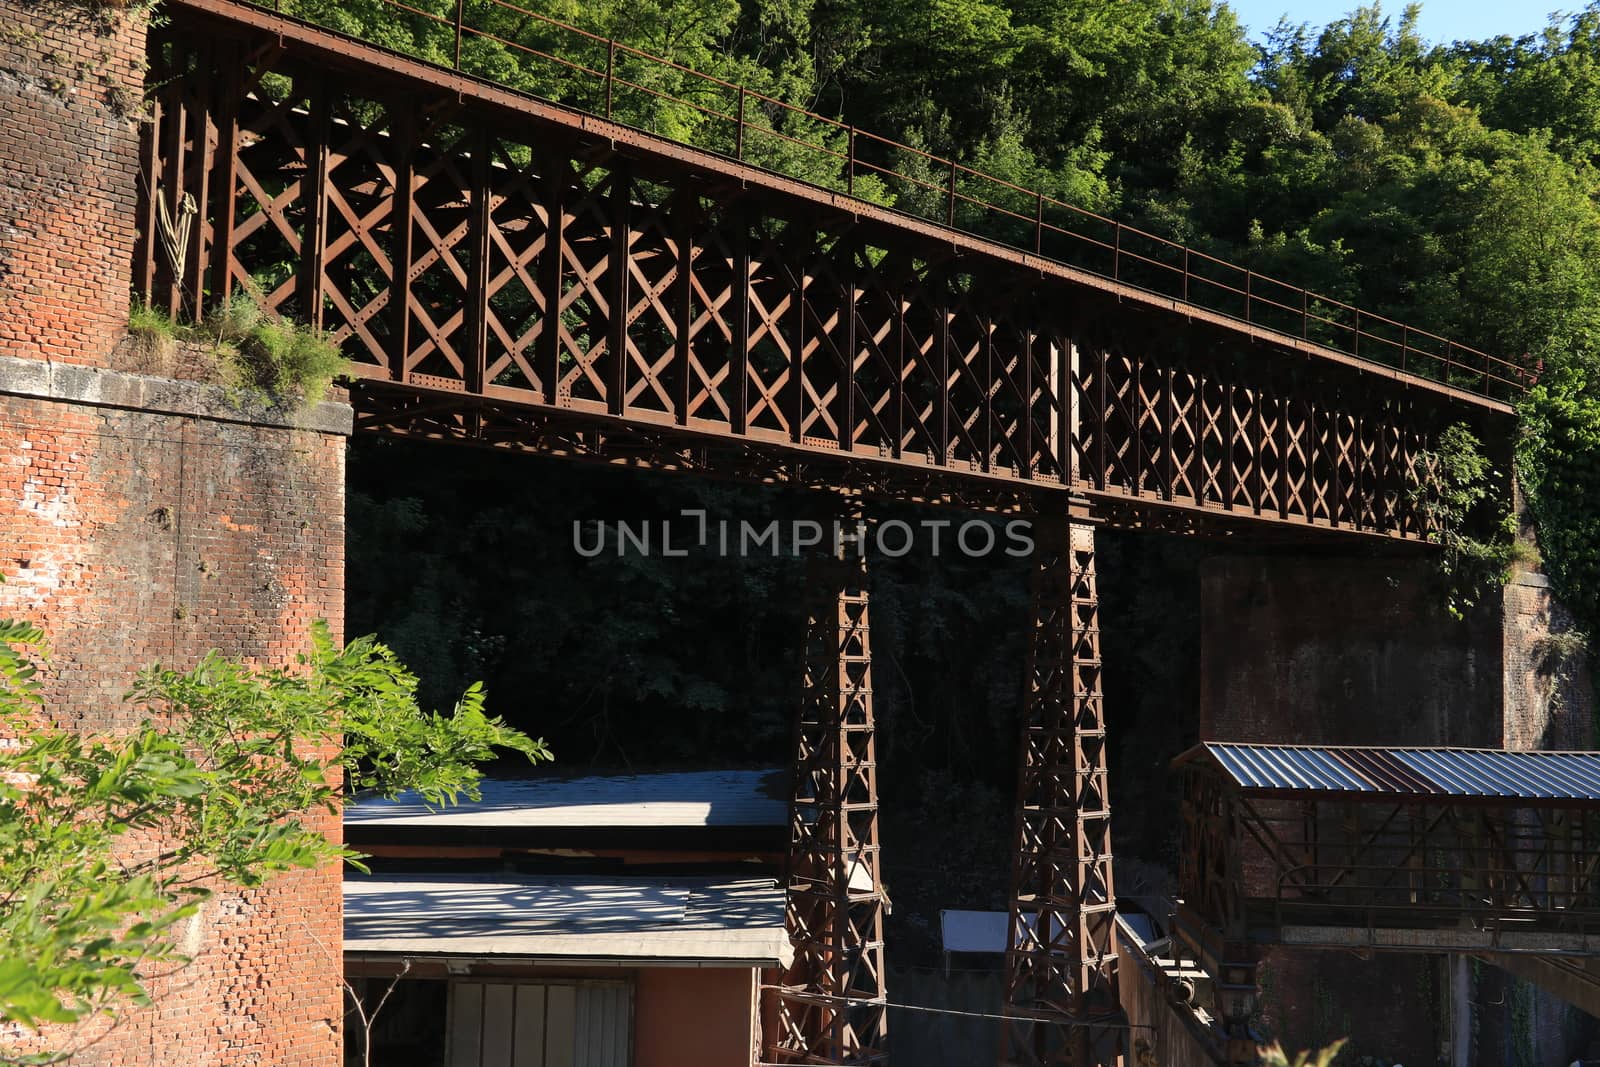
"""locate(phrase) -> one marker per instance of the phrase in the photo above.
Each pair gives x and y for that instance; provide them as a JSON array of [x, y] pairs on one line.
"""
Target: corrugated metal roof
[[1440, 772], [659, 801], [720, 920]]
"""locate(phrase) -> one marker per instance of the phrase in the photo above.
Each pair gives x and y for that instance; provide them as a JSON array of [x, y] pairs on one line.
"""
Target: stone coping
[[99, 387]]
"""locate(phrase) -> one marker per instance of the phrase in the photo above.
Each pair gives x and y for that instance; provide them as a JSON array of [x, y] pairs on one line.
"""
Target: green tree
[[108, 842]]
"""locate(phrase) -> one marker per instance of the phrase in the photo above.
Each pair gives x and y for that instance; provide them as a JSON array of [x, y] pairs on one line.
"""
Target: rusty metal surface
[[973, 201], [1446, 773], [1372, 848], [475, 269], [830, 1006], [1061, 962]]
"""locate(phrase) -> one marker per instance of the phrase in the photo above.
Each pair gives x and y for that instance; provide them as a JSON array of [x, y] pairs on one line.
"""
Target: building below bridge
[[607, 921]]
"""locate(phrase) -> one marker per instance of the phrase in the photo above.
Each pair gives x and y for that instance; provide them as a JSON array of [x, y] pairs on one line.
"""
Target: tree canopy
[[1451, 186]]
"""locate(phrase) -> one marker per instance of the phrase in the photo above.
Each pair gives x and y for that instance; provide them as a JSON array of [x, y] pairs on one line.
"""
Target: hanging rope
[[175, 236]]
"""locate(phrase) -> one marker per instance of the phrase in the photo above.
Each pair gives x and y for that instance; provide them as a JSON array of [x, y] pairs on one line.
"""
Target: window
[[528, 1024]]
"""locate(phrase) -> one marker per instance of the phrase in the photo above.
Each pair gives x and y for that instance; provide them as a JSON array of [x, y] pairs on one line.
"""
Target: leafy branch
[[108, 843]]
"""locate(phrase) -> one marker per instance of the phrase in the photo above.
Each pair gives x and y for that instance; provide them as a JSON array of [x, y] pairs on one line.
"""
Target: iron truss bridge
[[516, 273]]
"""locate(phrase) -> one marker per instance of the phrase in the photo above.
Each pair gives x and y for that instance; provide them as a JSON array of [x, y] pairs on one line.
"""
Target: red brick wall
[[134, 536], [71, 81]]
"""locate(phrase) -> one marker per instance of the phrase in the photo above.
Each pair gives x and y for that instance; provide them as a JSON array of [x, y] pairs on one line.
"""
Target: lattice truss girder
[[830, 1007], [454, 252], [1060, 967]]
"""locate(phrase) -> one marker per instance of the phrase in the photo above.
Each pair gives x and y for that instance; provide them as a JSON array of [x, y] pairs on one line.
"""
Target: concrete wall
[[694, 1017], [1161, 1033]]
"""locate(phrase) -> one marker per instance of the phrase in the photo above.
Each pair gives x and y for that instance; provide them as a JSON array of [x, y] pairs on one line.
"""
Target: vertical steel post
[[1061, 982], [850, 166], [611, 68], [460, 11], [831, 1003], [738, 135], [950, 214]]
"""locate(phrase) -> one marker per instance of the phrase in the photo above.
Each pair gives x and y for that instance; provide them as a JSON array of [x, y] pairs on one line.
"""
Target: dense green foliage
[[1448, 185], [1452, 186], [109, 843], [1462, 503]]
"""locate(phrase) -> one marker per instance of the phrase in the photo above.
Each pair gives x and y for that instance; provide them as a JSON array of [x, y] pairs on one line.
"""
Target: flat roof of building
[[1418, 773], [674, 800], [637, 920]]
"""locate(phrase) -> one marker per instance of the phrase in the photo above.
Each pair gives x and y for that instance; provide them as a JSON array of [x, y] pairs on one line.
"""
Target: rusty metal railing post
[[1405, 346], [611, 67], [460, 12], [1305, 315], [738, 134], [1116, 252], [850, 165], [1038, 226], [1185, 274], [1249, 299], [950, 213], [1357, 347]]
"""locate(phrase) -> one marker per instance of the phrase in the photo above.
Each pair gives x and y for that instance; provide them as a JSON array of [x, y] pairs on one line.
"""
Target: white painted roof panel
[[657, 801], [699, 920]]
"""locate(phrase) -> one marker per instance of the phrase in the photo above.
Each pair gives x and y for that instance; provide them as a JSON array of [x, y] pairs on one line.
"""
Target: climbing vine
[[1558, 462], [1473, 522]]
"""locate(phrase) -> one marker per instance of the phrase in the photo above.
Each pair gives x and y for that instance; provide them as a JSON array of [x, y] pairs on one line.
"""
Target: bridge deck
[[508, 271]]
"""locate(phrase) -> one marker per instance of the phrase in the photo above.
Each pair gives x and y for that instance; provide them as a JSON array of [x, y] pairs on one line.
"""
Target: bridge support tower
[[830, 1007], [1061, 983]]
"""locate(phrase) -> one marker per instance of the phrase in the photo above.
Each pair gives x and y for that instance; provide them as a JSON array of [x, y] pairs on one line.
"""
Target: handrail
[[1122, 253], [1443, 885]]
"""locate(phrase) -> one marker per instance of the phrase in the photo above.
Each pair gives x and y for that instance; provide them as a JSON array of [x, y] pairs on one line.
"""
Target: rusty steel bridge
[[513, 272]]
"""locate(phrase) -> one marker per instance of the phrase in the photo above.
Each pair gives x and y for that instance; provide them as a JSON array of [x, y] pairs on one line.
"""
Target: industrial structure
[[527, 275]]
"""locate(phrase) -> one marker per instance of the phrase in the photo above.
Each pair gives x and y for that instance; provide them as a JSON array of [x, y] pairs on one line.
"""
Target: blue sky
[[1442, 20]]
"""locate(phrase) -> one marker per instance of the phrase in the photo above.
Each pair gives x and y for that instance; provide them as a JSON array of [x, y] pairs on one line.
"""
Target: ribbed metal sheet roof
[[1438, 772], [652, 801], [731, 921]]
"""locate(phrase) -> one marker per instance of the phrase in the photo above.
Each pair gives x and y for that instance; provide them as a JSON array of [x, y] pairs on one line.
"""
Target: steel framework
[[1478, 875], [511, 273], [1061, 986], [830, 1006], [508, 272]]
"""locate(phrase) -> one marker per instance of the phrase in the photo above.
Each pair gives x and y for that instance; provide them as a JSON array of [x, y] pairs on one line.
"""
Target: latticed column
[[1061, 993], [830, 1006]]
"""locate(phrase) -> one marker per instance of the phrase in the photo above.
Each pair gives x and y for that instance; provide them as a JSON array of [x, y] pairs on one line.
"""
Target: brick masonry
[[137, 536], [71, 88], [143, 520]]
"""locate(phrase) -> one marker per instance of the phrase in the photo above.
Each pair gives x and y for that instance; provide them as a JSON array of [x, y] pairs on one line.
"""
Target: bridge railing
[[630, 85]]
